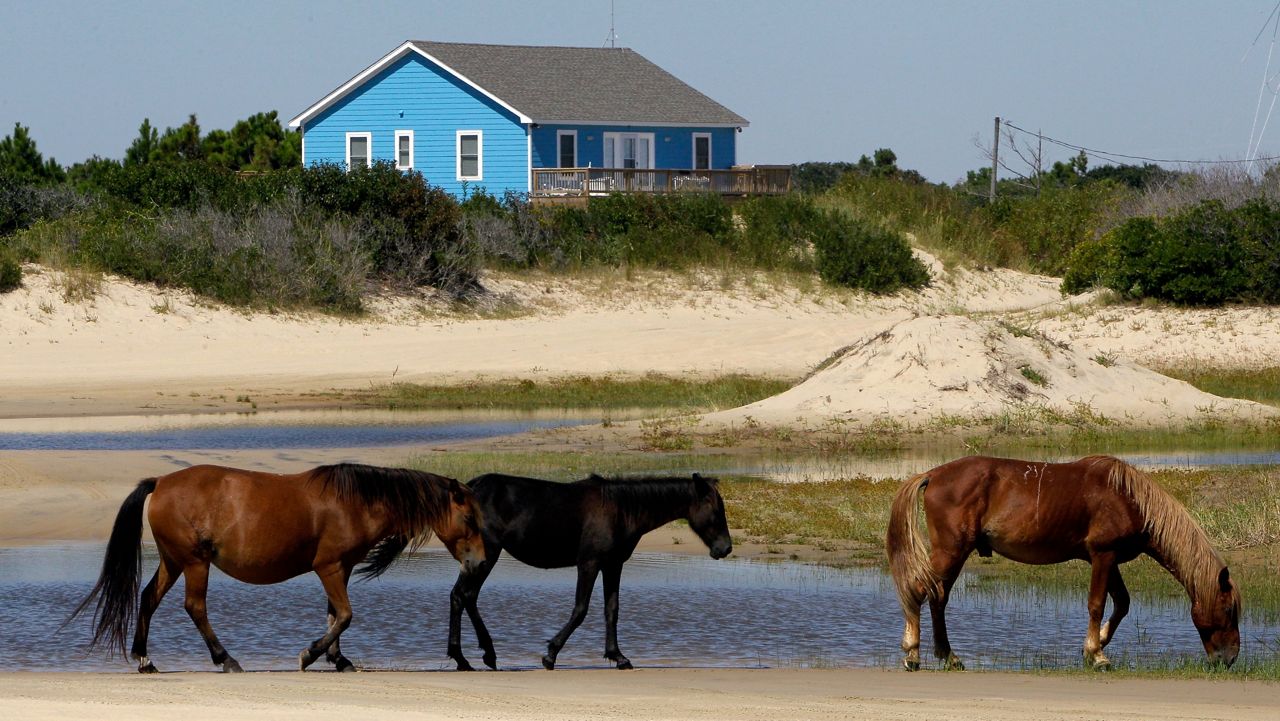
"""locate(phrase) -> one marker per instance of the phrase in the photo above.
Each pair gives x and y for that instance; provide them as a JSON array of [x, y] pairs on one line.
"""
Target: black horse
[[593, 524]]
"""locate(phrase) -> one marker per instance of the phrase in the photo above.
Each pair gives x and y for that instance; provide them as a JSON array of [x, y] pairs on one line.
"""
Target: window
[[359, 150], [628, 150], [404, 150], [702, 151], [470, 155], [567, 148]]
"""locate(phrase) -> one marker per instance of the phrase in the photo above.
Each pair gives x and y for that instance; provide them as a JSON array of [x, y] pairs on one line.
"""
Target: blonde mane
[[1175, 536]]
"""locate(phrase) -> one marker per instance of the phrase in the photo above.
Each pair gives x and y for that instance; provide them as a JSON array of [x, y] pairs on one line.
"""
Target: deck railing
[[584, 182]]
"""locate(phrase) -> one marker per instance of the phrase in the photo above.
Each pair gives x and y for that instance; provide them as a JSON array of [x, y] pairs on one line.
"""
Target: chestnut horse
[[1097, 509], [594, 524], [266, 528]]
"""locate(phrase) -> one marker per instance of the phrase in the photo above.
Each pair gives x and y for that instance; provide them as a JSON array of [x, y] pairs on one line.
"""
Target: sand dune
[[931, 367]]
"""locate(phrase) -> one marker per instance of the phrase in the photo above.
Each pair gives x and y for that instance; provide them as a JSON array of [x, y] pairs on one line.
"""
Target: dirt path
[[644, 694]]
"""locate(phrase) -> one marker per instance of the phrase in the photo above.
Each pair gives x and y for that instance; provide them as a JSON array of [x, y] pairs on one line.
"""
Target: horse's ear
[[704, 486], [1224, 579], [456, 493]]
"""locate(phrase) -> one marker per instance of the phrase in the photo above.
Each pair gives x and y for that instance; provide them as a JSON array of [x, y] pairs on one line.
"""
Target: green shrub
[[1259, 228], [10, 272], [1046, 227], [272, 256], [1199, 259], [1207, 254], [169, 184], [777, 230], [858, 254], [23, 204], [1089, 264]]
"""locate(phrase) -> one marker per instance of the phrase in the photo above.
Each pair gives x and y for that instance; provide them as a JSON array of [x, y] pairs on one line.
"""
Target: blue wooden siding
[[673, 146], [414, 94]]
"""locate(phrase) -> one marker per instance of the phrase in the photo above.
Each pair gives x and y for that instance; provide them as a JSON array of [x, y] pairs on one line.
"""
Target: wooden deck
[[551, 185]]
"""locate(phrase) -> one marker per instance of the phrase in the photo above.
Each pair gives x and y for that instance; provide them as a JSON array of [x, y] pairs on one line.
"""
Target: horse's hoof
[[1101, 663], [491, 660], [624, 665], [548, 663], [464, 665], [305, 659], [344, 665], [148, 667], [953, 664], [231, 666], [911, 665]]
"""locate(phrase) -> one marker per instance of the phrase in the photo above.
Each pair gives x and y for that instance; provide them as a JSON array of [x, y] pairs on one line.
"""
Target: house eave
[[386, 60], [645, 123]]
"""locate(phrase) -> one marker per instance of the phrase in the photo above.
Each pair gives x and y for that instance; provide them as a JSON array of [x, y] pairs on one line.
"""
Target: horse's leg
[[587, 572], [197, 575], [947, 565], [465, 592], [612, 580], [166, 575], [334, 653], [334, 578], [1103, 564], [911, 630], [1119, 605], [483, 639]]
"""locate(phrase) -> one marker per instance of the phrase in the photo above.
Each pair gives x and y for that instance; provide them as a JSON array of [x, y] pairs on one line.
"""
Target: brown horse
[[267, 528], [1097, 509]]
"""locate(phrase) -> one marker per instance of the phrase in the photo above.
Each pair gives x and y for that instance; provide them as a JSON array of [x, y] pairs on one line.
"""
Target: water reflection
[[287, 429], [675, 611]]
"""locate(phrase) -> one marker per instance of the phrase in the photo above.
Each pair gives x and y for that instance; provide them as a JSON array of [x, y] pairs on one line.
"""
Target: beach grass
[[651, 391], [1254, 384]]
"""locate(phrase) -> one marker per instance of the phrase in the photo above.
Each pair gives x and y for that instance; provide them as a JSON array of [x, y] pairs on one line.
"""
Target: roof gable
[[548, 84]]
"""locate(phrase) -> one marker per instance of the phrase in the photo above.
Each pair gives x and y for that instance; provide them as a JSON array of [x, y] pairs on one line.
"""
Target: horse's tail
[[908, 555], [382, 556], [116, 592]]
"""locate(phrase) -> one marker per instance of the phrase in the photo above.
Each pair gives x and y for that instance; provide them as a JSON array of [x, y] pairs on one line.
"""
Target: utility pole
[[995, 158]]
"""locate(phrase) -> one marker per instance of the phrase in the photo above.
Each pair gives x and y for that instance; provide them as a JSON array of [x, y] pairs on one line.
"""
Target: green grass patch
[[650, 391], [1239, 508], [1254, 384]]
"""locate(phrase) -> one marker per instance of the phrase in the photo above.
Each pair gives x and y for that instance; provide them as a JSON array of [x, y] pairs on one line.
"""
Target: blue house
[[547, 121]]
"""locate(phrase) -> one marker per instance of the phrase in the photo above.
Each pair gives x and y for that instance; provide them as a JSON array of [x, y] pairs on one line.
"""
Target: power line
[[1111, 155]]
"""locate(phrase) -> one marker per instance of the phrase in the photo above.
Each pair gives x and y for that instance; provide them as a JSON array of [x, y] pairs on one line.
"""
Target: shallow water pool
[[683, 611]]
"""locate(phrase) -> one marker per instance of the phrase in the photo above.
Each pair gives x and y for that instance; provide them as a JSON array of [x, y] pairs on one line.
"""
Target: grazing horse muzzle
[[721, 548]]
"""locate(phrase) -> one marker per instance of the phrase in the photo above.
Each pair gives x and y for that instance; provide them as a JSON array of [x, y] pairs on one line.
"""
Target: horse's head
[[706, 516], [461, 535], [1218, 621]]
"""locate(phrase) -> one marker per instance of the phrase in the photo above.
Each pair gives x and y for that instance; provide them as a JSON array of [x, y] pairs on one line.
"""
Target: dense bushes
[[684, 230], [276, 256], [301, 237], [857, 254], [1042, 230], [10, 272], [23, 204], [1207, 254]]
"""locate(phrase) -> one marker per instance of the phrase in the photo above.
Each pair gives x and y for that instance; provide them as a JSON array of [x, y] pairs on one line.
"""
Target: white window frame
[[694, 160], [457, 154], [403, 134], [617, 143], [562, 133], [368, 144]]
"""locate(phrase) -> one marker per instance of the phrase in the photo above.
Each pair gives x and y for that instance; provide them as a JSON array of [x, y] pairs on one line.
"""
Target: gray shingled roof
[[552, 84]]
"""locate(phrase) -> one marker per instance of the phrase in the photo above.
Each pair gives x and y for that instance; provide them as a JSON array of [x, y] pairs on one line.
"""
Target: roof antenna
[[612, 40]]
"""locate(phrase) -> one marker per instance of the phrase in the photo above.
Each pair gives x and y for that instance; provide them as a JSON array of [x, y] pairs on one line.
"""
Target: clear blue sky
[[817, 80]]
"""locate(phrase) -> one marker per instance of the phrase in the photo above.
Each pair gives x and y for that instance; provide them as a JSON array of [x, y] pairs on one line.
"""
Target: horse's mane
[[1175, 535], [637, 494], [416, 499]]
